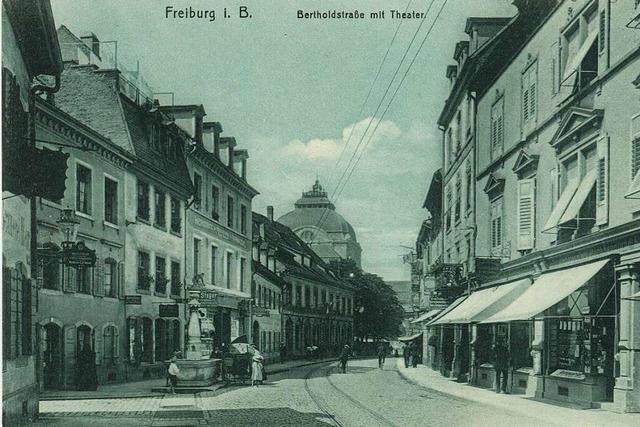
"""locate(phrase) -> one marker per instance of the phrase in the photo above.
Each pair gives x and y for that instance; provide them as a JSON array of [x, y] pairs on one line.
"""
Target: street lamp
[[68, 224]]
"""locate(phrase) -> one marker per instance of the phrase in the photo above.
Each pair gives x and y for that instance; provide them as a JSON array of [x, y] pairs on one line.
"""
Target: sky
[[291, 91]]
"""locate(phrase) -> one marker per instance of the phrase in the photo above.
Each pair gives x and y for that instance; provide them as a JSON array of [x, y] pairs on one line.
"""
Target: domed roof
[[315, 210]]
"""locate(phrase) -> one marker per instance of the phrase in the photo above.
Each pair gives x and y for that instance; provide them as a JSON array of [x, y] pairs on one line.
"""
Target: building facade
[[317, 307], [218, 238], [556, 205], [23, 58], [316, 221]]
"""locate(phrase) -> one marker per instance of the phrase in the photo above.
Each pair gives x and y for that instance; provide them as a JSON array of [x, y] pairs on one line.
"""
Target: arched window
[[84, 338]]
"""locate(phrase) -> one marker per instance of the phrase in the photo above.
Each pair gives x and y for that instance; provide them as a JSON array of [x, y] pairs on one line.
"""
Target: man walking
[[382, 354], [501, 365], [344, 357]]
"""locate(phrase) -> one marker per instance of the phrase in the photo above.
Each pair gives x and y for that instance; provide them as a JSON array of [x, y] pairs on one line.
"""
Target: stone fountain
[[197, 369]]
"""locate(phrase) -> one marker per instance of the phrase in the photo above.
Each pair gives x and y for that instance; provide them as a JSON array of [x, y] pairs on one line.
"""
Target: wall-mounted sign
[[133, 299], [168, 310], [79, 256], [261, 312]]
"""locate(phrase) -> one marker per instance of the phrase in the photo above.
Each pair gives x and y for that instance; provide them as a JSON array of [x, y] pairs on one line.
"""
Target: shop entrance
[[52, 357]]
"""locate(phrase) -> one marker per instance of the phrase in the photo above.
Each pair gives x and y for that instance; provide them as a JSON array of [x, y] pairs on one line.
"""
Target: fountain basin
[[199, 372]]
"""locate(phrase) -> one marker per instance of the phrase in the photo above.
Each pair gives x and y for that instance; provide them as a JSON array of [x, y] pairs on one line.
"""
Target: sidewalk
[[546, 412], [139, 389]]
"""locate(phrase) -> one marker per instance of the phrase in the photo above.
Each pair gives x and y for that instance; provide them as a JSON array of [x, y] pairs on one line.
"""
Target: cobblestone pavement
[[310, 396]]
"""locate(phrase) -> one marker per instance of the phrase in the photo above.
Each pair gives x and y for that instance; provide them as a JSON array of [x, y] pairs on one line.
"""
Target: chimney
[[189, 118], [211, 137], [228, 142], [270, 213], [92, 42], [240, 157]]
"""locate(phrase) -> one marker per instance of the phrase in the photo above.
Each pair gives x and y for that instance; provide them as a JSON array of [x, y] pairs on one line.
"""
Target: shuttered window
[[497, 129], [635, 145], [529, 96], [496, 223], [602, 181], [526, 214]]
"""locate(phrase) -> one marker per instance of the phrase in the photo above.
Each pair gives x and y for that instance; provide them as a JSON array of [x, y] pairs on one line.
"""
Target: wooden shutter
[[69, 362], [98, 287], [525, 98], [526, 214], [70, 279], [532, 92], [119, 283], [98, 344], [602, 182]]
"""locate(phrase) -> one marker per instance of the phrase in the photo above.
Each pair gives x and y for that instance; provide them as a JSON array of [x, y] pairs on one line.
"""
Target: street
[[316, 395]]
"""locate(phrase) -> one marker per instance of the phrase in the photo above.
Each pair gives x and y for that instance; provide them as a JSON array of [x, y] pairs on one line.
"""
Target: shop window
[[143, 201], [143, 271], [176, 216], [161, 281], [83, 189], [110, 201], [160, 218]]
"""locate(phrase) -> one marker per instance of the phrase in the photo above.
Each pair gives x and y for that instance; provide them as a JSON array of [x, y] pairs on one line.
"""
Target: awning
[[549, 289], [410, 338], [229, 292], [633, 192], [634, 297], [428, 315], [577, 60], [580, 196], [561, 204], [485, 303], [447, 310]]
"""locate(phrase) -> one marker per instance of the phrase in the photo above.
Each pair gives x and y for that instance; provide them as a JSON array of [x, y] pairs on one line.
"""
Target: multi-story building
[[157, 188], [81, 306], [29, 48], [219, 228], [317, 308], [557, 185]]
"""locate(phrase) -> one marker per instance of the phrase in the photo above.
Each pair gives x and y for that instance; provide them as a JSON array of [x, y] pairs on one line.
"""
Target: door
[[52, 357], [255, 334]]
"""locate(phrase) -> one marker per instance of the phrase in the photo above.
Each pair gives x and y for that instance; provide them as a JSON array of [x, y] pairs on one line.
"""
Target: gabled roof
[[267, 274], [495, 182], [524, 160]]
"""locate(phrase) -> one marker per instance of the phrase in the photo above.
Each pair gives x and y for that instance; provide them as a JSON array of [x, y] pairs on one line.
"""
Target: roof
[[32, 22], [433, 200], [267, 274], [322, 218]]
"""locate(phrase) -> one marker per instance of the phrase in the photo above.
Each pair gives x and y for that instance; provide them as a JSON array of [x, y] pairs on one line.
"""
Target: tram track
[[381, 419]]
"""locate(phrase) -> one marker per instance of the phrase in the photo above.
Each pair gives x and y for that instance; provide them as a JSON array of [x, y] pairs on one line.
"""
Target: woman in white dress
[[257, 370]]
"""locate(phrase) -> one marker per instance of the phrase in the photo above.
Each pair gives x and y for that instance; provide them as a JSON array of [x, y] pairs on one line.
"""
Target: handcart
[[236, 368]]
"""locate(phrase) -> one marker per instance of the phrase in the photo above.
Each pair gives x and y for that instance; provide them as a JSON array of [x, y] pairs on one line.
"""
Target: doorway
[[52, 357]]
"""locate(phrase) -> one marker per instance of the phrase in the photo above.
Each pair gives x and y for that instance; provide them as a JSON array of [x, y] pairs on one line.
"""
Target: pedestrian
[[501, 354], [257, 370], [382, 354], [173, 372], [406, 352], [344, 357], [415, 355]]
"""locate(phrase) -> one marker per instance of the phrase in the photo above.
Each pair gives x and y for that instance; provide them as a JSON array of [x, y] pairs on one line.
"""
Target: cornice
[[223, 171]]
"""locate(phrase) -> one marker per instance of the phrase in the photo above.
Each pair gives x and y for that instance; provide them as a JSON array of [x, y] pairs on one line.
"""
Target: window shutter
[[602, 183], [500, 130], [98, 288], [120, 282], [98, 342], [532, 92], [70, 279], [526, 214], [116, 342], [525, 98]]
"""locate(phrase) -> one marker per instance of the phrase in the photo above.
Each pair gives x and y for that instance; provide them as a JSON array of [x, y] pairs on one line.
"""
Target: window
[[229, 266], [154, 136], [496, 129], [458, 197], [176, 216], [215, 203], [469, 116], [635, 146], [458, 133], [449, 143], [161, 281], [26, 317], [580, 49], [529, 97], [214, 263], [526, 214], [243, 219], [51, 270], [143, 271], [176, 283], [496, 223], [243, 266], [110, 278], [161, 217], [469, 190], [110, 201], [197, 184], [196, 256], [143, 200], [83, 189], [84, 279], [299, 296], [307, 296], [230, 211], [447, 213]]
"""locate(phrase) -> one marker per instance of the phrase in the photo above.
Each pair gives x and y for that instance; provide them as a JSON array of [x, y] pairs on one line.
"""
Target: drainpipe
[[33, 210]]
